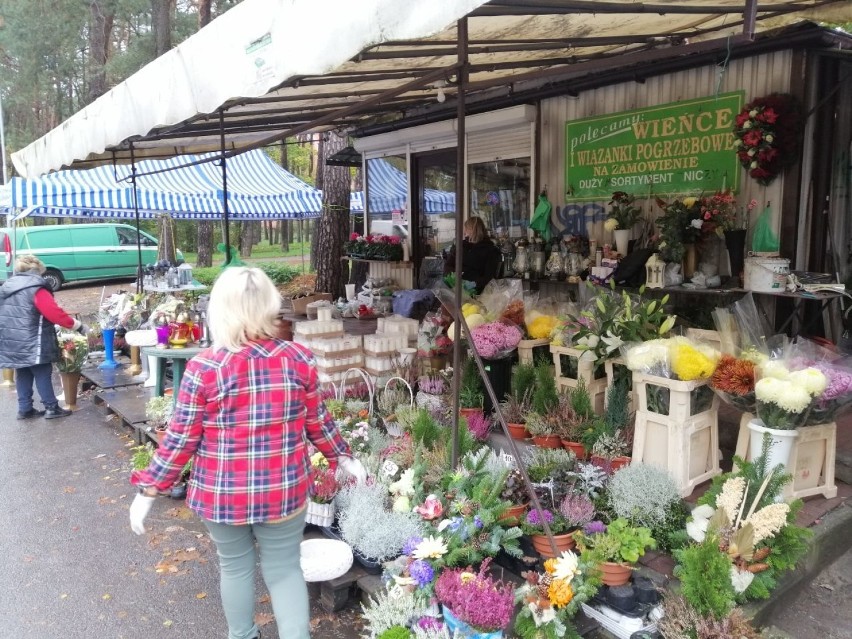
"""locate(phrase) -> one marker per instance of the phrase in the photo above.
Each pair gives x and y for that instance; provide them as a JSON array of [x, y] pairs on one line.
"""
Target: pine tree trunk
[[166, 244], [334, 222], [161, 24], [205, 244], [101, 19]]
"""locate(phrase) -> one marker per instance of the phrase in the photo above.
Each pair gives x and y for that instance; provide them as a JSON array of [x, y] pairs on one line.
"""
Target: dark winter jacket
[[480, 262], [27, 338]]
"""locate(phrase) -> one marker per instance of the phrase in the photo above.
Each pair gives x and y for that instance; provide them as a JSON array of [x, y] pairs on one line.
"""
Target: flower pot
[[779, 449], [456, 625], [70, 384], [619, 462], [547, 441], [622, 240], [542, 544], [467, 413], [613, 574], [320, 514], [513, 515], [575, 447], [518, 431]]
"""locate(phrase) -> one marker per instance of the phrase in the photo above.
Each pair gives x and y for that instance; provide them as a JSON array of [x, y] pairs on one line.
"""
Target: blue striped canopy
[[258, 189], [387, 189]]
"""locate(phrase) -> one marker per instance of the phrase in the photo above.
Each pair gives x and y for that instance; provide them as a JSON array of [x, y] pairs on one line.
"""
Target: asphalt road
[[72, 568]]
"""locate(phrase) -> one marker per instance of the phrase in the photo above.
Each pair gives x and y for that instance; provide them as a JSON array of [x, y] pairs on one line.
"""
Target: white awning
[[269, 68]]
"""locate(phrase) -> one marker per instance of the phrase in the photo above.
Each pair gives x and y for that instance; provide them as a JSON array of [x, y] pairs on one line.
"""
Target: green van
[[73, 252]]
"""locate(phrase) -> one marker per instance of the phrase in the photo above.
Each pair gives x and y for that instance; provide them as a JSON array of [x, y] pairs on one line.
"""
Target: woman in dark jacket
[[28, 316], [480, 256]]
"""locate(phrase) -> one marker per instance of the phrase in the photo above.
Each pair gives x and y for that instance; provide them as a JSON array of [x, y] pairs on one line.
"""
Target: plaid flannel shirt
[[247, 417]]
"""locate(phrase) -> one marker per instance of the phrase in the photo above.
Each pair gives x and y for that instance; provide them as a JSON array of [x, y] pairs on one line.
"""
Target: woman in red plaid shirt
[[247, 409]]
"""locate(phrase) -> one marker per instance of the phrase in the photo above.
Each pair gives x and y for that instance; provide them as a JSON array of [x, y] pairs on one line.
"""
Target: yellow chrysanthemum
[[689, 363], [467, 577], [542, 326], [550, 566], [560, 593]]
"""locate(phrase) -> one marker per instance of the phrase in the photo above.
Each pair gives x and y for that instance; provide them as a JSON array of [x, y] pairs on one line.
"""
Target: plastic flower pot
[[456, 625], [615, 574], [619, 462], [542, 544], [468, 412], [518, 431], [780, 448], [575, 447], [513, 515], [547, 441], [109, 343]]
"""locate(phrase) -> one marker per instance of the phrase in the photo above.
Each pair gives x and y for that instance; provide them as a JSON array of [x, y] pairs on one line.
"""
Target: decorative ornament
[[768, 135]]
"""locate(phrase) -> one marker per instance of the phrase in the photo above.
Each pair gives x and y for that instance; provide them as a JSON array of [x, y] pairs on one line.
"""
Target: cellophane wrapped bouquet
[[73, 349]]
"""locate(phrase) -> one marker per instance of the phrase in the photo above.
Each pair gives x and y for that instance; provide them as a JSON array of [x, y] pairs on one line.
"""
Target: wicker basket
[[325, 559]]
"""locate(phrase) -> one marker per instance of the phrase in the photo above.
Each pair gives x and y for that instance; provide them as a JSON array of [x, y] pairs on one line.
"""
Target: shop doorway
[[434, 211]]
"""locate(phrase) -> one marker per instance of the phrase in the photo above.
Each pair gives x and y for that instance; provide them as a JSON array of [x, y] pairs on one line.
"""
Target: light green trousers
[[279, 562]]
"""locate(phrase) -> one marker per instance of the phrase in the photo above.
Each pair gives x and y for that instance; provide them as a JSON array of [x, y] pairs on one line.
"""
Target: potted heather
[[515, 414], [610, 451], [533, 526], [324, 487], [474, 604]]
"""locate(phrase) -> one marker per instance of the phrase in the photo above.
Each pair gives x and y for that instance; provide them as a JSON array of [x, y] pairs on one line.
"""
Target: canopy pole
[[226, 231], [139, 272], [462, 66], [302, 245]]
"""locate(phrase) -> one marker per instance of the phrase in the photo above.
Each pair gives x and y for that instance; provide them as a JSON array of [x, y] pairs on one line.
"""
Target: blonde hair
[[475, 229], [244, 306], [26, 263]]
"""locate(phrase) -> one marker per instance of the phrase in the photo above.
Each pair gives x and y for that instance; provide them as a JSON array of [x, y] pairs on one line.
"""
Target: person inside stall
[[480, 256]]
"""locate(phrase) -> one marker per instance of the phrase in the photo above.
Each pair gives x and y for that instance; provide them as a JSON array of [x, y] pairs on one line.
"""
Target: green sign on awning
[[671, 149]]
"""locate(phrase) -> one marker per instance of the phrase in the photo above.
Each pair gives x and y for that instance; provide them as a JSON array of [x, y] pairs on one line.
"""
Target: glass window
[[387, 195], [500, 194]]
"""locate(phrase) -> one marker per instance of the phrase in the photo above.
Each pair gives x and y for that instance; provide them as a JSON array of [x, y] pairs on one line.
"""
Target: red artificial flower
[[354, 237], [753, 137], [769, 116], [742, 118]]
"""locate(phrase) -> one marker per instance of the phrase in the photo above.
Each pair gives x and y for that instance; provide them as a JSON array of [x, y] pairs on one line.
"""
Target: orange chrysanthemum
[[734, 376], [560, 593]]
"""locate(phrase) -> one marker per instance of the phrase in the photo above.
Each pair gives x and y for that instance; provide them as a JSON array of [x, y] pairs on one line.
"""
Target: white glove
[[139, 509], [354, 468]]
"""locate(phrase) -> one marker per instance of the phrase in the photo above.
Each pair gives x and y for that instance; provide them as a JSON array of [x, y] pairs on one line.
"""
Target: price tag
[[389, 468], [507, 459]]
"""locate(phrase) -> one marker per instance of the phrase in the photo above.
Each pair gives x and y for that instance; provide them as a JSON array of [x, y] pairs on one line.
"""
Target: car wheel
[[53, 279]]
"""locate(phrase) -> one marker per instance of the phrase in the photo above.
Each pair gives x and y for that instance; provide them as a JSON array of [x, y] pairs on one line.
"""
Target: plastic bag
[[541, 217], [496, 340], [764, 239], [541, 316]]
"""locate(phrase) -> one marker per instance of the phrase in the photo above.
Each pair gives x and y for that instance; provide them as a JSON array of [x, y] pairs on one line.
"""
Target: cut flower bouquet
[[494, 340], [623, 214], [73, 349]]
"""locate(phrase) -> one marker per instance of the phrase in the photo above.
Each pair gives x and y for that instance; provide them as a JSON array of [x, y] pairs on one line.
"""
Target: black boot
[[56, 412], [33, 412]]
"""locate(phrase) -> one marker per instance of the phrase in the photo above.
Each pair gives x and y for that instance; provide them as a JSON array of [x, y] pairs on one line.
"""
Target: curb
[[831, 539]]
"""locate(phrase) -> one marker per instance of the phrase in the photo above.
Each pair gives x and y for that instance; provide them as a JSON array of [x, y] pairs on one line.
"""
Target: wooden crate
[[595, 386], [684, 442]]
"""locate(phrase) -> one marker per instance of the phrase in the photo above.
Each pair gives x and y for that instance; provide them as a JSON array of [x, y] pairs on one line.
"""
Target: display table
[[179, 357]]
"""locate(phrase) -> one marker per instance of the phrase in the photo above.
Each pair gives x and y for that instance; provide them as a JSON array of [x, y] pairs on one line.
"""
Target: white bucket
[[766, 274]]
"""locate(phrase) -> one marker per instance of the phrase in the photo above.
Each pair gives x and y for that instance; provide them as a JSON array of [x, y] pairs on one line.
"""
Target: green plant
[[620, 543], [515, 412], [426, 430], [705, 576], [159, 410], [581, 401], [523, 382], [142, 456], [470, 397], [541, 463], [545, 396], [470, 386], [617, 413], [643, 494], [610, 445], [396, 632], [591, 430]]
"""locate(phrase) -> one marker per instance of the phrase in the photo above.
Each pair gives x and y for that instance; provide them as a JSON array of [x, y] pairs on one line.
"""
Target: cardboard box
[[300, 305]]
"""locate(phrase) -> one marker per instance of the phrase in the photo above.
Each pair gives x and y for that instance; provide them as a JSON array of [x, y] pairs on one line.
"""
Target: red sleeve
[[52, 312]]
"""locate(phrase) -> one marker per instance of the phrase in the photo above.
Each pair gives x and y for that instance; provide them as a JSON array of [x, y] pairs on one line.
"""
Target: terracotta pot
[[614, 574], [468, 412], [513, 515], [619, 462], [70, 384], [547, 441], [518, 431], [542, 544], [575, 447]]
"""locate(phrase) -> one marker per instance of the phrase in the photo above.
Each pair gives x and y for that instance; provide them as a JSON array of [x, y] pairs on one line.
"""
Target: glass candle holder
[[163, 332]]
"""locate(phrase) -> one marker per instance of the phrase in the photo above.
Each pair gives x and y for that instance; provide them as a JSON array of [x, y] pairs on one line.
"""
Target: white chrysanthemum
[[647, 355], [740, 579], [709, 352], [768, 520], [697, 530], [811, 379], [611, 224], [731, 497], [705, 511], [794, 399], [772, 390], [430, 548], [542, 616], [566, 566], [774, 368]]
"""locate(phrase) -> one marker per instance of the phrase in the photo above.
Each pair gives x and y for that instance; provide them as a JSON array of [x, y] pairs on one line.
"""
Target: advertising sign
[[671, 149]]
